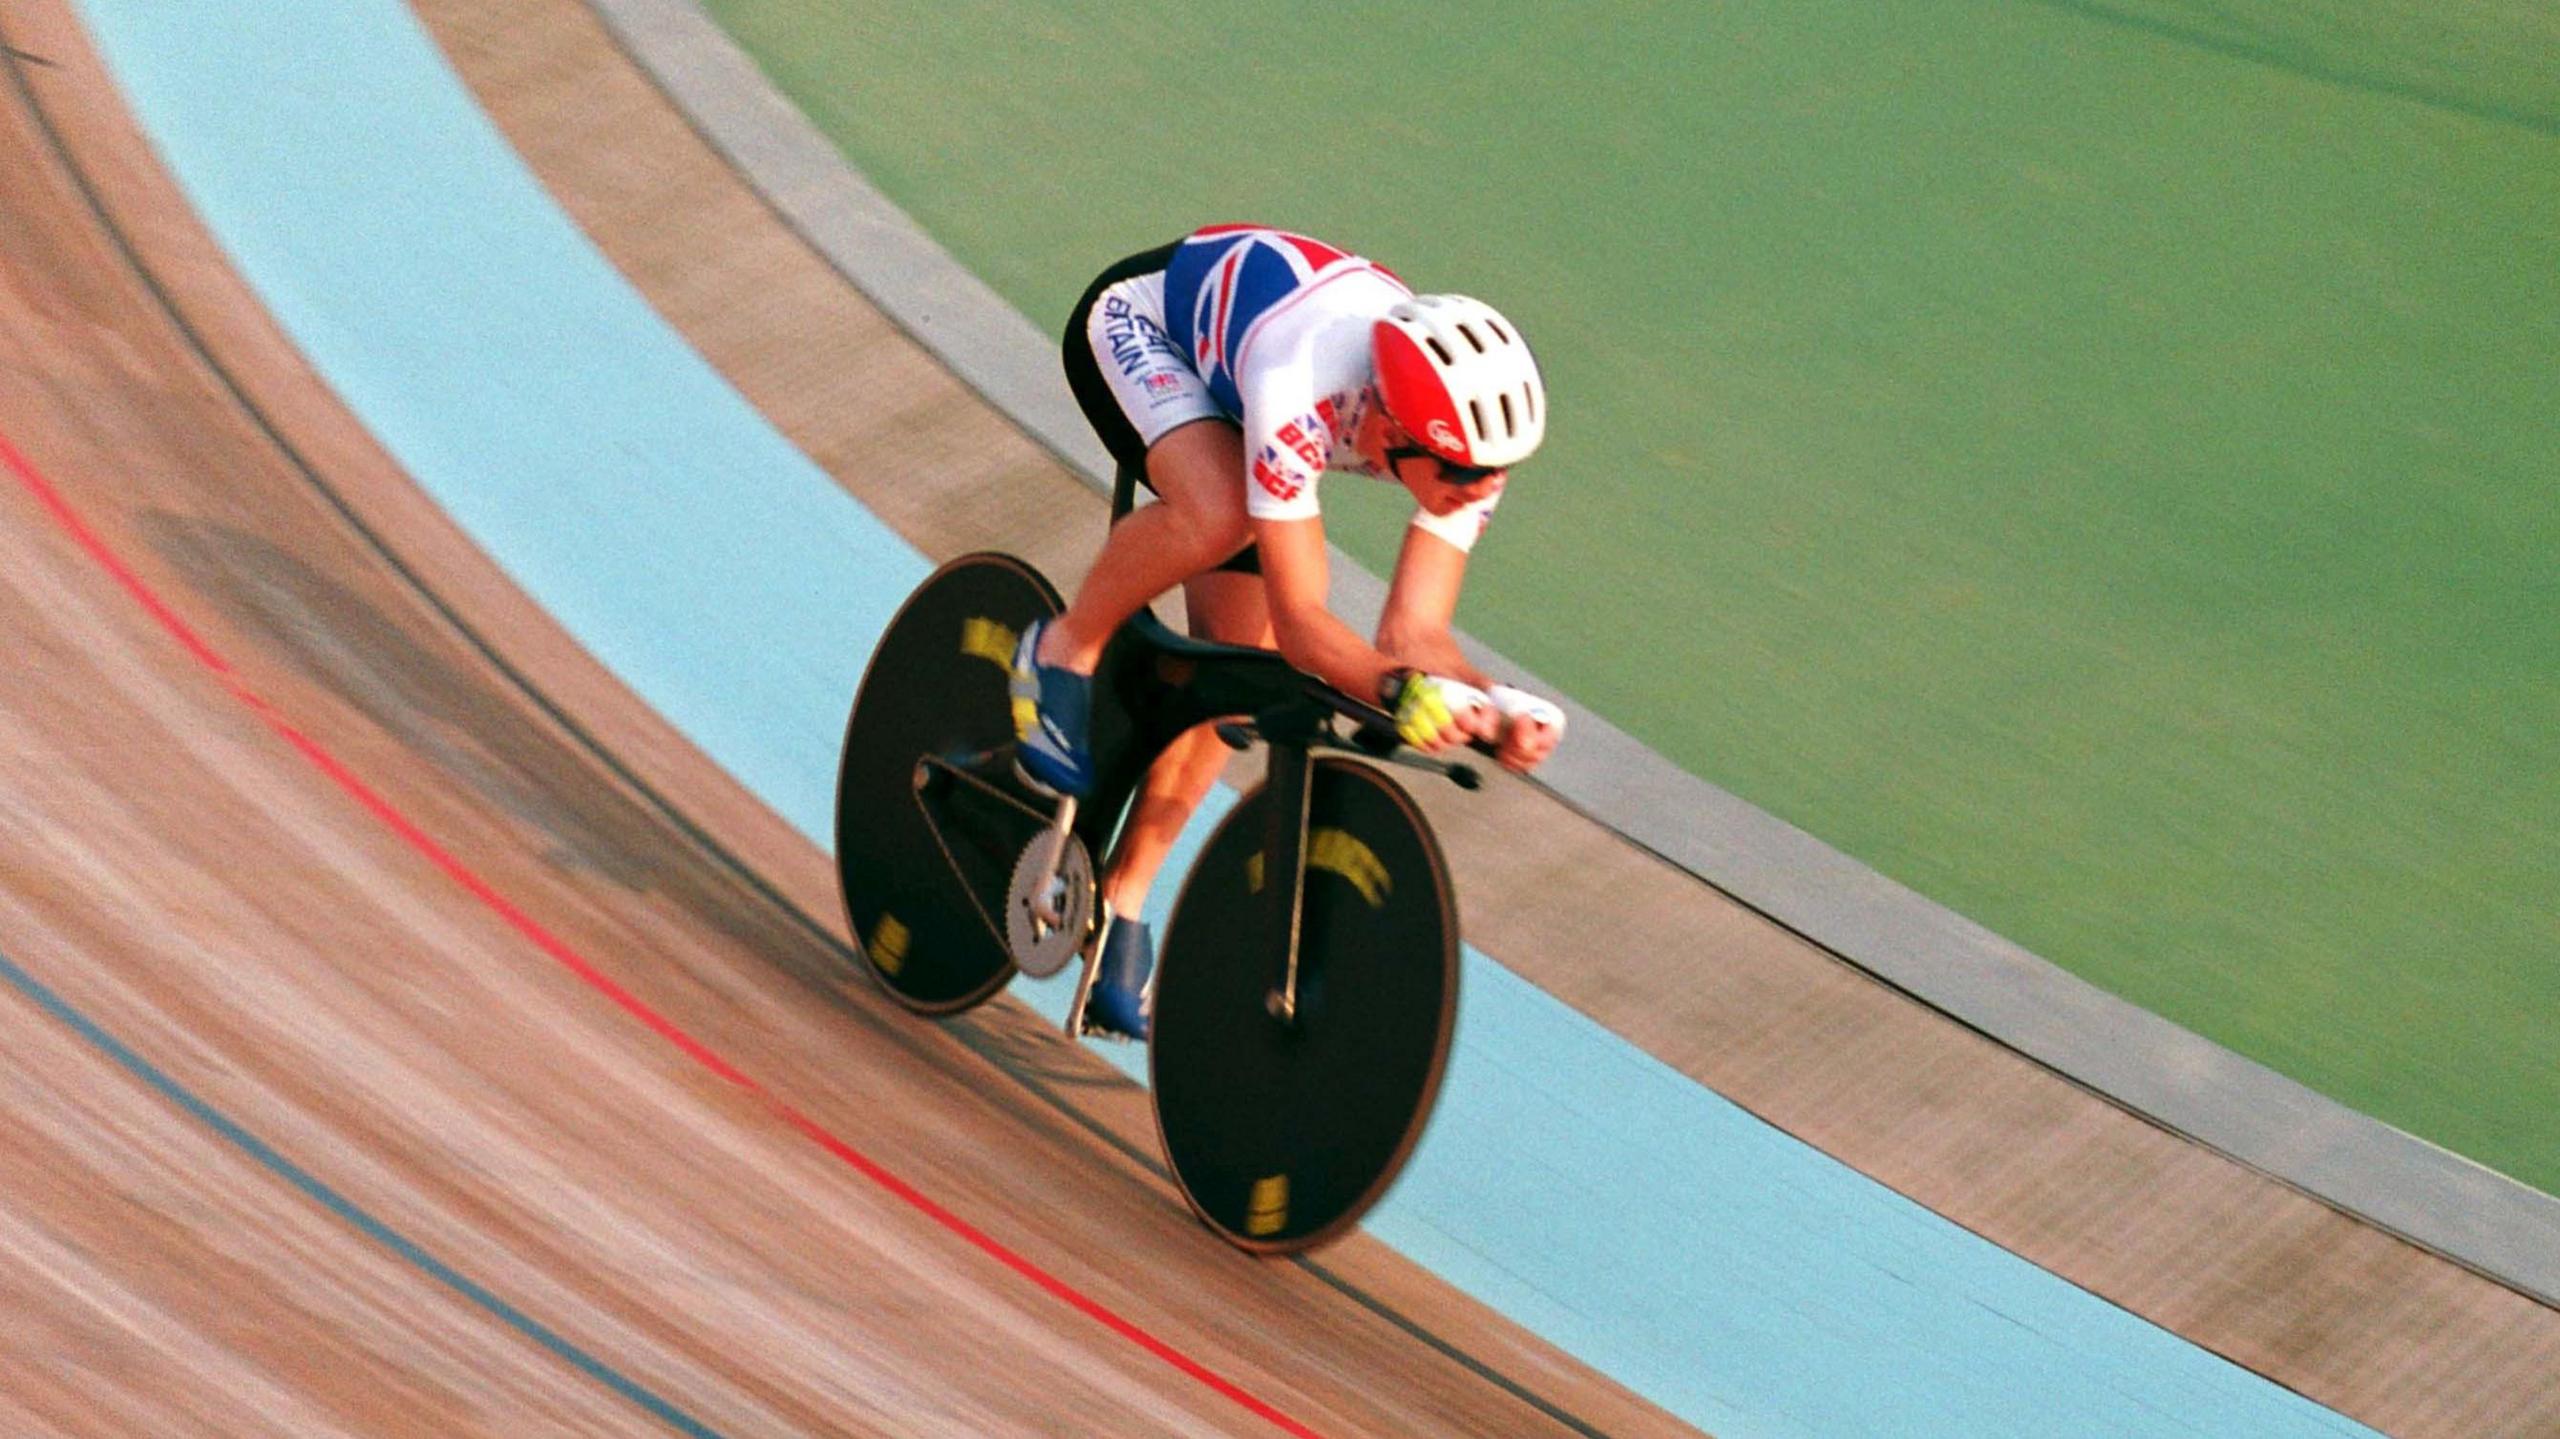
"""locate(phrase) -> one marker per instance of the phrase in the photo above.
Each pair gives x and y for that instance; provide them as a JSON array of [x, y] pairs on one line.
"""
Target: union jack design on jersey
[[1272, 332], [1224, 278]]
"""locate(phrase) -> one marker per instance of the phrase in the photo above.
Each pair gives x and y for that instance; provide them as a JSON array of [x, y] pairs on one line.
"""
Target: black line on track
[[971, 1035]]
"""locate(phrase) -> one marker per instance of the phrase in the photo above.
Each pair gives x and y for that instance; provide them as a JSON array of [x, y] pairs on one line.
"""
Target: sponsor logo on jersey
[[1162, 382], [1269, 473], [1300, 435], [1133, 337]]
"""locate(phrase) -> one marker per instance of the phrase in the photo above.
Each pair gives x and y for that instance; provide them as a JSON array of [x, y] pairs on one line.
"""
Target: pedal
[[1092, 971]]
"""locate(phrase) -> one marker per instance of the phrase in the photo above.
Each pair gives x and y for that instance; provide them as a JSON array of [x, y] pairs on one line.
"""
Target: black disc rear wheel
[[1283, 1132], [924, 891]]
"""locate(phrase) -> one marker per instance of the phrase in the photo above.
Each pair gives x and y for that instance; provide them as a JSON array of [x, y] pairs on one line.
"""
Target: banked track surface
[[2221, 1254], [2367, 1314], [375, 965]]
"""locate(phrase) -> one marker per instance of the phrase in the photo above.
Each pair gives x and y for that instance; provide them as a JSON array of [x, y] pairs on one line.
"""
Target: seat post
[[1124, 492]]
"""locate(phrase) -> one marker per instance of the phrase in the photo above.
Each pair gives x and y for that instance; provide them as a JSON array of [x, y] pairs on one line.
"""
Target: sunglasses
[[1458, 475]]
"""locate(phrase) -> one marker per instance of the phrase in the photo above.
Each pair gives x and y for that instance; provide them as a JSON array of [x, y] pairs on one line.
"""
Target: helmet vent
[[1448, 367]]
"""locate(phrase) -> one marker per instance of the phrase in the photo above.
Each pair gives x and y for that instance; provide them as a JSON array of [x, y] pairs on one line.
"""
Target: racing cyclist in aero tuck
[[1226, 372]]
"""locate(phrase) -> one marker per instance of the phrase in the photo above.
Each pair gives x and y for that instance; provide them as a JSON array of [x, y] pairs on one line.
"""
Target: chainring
[[1038, 949]]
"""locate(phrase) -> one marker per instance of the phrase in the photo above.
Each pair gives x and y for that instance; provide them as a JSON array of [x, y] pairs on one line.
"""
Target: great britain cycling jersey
[[1270, 330]]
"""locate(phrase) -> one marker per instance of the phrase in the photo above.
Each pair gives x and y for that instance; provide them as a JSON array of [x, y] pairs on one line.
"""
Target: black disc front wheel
[[1284, 1130]]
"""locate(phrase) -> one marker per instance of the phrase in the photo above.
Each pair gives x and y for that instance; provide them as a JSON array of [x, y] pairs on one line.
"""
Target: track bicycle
[[1306, 989]]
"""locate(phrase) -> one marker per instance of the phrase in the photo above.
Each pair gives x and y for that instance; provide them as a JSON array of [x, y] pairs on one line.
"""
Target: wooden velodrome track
[[329, 866], [401, 907]]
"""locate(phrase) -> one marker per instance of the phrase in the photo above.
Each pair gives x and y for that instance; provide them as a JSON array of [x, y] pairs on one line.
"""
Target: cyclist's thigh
[[1199, 470], [1230, 608]]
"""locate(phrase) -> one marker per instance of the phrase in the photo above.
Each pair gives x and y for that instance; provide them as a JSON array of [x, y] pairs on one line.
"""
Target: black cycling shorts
[[1101, 410]]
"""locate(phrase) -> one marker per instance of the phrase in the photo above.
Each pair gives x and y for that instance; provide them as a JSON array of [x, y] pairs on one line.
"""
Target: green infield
[[2097, 464]]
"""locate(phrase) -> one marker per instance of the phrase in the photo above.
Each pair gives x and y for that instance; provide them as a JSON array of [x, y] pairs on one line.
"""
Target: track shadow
[[436, 699], [439, 703]]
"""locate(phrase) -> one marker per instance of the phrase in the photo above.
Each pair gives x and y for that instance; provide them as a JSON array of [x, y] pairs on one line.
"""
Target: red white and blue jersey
[[1225, 279], [1274, 330]]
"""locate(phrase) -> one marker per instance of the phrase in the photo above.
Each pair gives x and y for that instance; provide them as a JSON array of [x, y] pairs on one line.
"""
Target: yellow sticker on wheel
[[989, 640], [1267, 1211], [1336, 851], [1340, 852], [889, 944]]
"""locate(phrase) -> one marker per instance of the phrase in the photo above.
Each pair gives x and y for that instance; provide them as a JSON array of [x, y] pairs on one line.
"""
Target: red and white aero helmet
[[1458, 378]]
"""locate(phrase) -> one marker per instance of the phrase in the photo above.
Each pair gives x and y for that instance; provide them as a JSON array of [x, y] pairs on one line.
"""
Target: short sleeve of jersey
[[1288, 434], [1460, 527], [1295, 370]]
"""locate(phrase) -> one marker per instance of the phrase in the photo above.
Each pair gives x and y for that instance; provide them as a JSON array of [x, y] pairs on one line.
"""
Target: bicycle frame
[[1167, 684], [1281, 991]]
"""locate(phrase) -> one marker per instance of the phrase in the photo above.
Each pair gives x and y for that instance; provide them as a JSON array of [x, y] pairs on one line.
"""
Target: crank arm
[[936, 769]]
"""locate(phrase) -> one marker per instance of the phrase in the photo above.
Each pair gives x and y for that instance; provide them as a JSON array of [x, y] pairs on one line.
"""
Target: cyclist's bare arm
[[1422, 604], [1295, 574], [1415, 629], [1295, 571]]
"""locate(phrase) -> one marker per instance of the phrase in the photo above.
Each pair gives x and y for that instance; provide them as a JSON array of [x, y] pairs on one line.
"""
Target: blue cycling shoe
[[1118, 1004], [1053, 718]]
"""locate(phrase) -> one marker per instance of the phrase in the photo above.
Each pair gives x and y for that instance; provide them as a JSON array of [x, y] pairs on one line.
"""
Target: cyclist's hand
[[1531, 727], [1435, 711]]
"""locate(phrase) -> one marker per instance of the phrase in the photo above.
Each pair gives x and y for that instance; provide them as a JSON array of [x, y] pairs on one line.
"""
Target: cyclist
[[1226, 372]]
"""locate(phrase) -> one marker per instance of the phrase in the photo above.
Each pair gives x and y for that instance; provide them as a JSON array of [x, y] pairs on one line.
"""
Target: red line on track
[[559, 950]]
